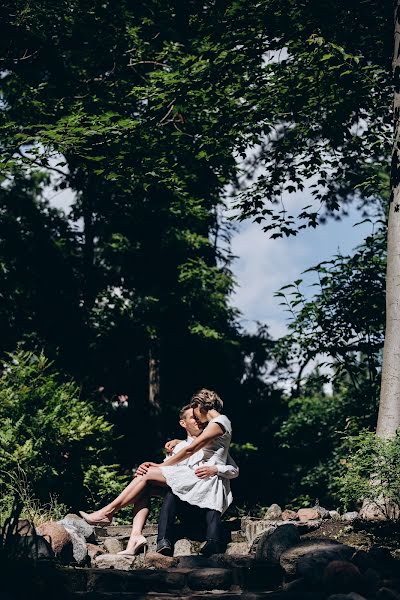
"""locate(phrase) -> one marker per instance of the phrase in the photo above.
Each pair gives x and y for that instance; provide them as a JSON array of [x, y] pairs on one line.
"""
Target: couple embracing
[[196, 474]]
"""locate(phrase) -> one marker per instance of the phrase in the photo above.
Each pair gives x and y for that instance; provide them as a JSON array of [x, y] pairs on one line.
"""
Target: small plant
[[21, 577], [371, 472], [15, 487]]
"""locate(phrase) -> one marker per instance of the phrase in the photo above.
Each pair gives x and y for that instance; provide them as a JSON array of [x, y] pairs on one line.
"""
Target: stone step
[[124, 531], [180, 580], [278, 595], [114, 538], [182, 547]]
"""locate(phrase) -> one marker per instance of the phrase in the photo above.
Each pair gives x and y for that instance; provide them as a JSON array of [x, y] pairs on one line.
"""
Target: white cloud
[[264, 265]]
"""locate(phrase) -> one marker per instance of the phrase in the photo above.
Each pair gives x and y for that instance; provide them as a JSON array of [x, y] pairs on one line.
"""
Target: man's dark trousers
[[174, 506]]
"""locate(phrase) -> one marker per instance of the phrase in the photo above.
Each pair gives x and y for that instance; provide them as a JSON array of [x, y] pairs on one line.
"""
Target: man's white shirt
[[228, 471]]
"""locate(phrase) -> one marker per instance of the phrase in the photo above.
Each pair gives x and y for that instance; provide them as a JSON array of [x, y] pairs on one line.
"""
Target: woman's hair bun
[[208, 400]]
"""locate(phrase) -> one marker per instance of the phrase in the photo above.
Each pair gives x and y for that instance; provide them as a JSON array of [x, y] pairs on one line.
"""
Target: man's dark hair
[[184, 409]]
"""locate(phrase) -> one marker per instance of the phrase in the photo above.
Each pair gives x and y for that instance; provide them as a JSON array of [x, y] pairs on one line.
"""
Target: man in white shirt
[[172, 505]]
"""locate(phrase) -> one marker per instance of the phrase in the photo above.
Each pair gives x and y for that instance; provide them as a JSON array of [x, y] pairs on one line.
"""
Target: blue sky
[[264, 265]]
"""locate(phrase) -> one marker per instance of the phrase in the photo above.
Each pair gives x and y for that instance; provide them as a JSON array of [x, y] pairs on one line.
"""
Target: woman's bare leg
[[142, 508], [131, 493], [140, 514]]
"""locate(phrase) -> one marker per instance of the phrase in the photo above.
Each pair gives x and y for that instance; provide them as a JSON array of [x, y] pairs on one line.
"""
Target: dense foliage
[[148, 114], [54, 437], [338, 334], [371, 472]]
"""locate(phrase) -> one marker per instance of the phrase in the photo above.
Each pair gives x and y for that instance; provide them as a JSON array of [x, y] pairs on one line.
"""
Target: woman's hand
[[144, 467], [204, 472], [169, 446]]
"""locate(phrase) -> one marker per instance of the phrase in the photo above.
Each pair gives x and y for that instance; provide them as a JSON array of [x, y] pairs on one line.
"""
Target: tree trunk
[[154, 382], [382, 508], [389, 406]]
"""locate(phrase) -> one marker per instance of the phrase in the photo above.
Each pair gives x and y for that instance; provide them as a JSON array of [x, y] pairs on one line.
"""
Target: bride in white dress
[[213, 446]]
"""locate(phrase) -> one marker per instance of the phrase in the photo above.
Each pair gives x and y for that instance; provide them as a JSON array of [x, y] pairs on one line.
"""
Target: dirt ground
[[360, 535]]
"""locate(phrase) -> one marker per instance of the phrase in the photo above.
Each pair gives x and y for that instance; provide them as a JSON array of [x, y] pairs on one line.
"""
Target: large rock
[[210, 579], [20, 527], [237, 548], [230, 561], [307, 514], [183, 547], [309, 557], [273, 513], [276, 541], [380, 510], [25, 527], [34, 547], [59, 539], [323, 513], [302, 528], [253, 528], [342, 576], [349, 517], [79, 525], [79, 550], [334, 515], [94, 551], [113, 545], [120, 562], [289, 515], [363, 560], [159, 561]]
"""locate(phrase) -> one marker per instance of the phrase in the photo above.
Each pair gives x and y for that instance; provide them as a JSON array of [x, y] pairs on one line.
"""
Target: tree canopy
[[154, 117]]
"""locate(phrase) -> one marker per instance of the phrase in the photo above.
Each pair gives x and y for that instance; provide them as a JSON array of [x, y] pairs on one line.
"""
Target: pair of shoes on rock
[[164, 547], [140, 545]]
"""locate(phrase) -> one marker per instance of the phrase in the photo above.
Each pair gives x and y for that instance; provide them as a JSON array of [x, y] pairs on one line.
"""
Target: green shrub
[[371, 471], [56, 438]]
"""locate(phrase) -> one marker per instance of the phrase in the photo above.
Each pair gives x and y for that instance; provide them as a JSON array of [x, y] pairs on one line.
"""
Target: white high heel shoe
[[141, 544]]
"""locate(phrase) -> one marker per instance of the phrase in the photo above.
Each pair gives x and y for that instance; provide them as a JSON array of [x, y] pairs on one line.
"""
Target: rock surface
[[276, 541], [289, 515], [158, 561], [210, 579], [79, 525], [93, 551], [334, 515], [183, 547], [25, 527], [79, 550], [59, 538], [342, 576], [350, 516], [34, 547], [309, 557], [379, 511], [323, 513], [119, 562], [113, 545], [237, 548], [273, 513], [307, 514]]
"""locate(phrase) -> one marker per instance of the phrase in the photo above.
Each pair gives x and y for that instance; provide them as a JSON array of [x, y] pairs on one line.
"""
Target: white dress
[[213, 492]]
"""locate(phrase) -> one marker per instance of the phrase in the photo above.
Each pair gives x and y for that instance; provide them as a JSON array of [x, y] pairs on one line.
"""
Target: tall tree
[[142, 107], [389, 407]]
